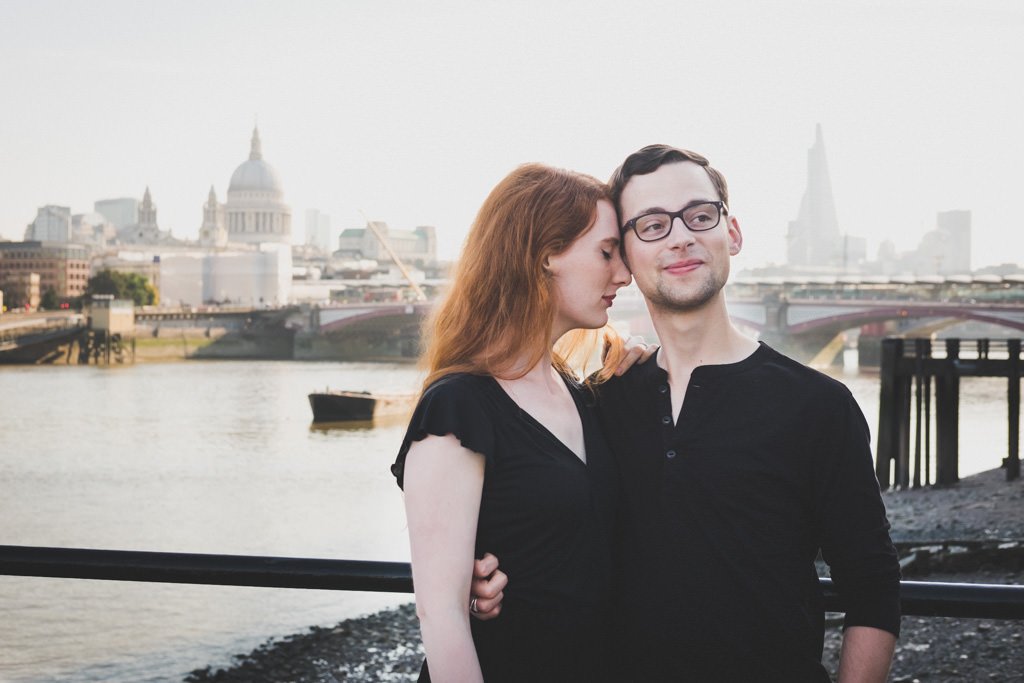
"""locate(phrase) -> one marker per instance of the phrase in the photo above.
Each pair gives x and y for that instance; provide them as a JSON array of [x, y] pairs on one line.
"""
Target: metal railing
[[918, 598]]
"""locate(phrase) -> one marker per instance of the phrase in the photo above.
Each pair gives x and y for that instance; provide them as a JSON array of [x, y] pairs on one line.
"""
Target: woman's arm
[[443, 482]]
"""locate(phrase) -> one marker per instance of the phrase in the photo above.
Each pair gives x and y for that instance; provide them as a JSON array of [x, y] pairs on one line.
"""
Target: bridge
[[804, 328], [38, 337], [368, 331], [805, 316], [801, 317]]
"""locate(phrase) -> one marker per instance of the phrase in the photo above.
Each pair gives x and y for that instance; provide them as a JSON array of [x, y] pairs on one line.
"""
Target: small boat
[[344, 406]]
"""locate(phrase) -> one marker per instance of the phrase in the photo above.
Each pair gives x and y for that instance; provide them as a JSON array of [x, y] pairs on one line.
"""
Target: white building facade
[[415, 247], [254, 276]]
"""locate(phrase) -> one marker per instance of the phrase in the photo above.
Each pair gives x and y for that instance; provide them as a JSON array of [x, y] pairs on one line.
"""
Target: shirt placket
[[669, 445]]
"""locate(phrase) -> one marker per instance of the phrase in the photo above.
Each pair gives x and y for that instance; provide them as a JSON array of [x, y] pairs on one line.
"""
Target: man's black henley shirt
[[725, 508]]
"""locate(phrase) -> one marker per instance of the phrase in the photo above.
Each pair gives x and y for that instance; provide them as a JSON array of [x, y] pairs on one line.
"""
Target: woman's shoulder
[[459, 386], [458, 404], [460, 381], [473, 397]]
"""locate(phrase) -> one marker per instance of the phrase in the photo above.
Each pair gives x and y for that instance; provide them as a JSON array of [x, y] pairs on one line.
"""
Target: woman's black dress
[[547, 516]]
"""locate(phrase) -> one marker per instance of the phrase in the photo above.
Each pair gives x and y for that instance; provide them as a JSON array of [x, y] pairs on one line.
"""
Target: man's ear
[[735, 236]]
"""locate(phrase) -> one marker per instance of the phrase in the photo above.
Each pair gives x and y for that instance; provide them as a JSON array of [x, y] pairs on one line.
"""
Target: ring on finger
[[472, 606]]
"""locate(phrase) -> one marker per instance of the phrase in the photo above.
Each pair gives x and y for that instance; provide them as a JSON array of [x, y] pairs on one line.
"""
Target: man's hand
[[488, 588]]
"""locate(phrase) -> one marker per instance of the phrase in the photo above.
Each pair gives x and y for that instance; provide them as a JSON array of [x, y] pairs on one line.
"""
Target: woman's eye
[[607, 255]]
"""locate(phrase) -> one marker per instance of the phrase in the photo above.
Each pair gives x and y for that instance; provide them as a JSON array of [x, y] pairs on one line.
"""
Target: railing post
[[1013, 410]]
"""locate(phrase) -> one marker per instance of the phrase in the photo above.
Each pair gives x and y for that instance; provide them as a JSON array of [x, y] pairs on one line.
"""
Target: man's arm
[[866, 655], [856, 545]]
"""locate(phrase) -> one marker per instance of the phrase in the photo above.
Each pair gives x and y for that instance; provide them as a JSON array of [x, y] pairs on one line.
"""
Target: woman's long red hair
[[501, 305]]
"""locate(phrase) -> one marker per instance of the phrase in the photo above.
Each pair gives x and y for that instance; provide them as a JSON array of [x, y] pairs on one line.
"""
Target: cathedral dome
[[255, 212], [255, 174]]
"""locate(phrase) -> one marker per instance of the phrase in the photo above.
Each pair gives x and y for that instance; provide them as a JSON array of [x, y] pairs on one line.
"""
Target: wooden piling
[[906, 376], [947, 416], [888, 414]]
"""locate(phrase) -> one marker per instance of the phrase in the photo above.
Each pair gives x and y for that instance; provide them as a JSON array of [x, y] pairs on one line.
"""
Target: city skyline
[[412, 113]]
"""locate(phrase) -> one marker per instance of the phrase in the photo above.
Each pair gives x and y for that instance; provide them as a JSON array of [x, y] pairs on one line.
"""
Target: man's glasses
[[652, 227]]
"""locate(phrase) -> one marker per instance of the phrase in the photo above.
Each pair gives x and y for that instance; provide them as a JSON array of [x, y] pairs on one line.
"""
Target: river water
[[220, 457]]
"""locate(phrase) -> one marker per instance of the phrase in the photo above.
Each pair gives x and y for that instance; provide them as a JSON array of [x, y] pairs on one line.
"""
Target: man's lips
[[683, 267], [608, 299]]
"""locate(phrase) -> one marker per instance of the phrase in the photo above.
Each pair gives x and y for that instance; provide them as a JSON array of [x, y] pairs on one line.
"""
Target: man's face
[[685, 270]]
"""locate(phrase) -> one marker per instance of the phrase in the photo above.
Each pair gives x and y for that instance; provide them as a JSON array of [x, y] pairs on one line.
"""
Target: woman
[[502, 453]]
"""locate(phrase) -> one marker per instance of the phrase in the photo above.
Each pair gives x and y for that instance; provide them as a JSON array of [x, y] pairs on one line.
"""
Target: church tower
[[813, 238], [213, 232], [145, 229]]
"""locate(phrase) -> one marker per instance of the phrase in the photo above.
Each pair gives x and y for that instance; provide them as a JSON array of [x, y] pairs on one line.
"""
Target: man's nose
[[680, 235]]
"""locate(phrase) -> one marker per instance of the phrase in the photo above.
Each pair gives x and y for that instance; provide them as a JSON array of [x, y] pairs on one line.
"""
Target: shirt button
[[670, 455], [662, 389], [667, 420]]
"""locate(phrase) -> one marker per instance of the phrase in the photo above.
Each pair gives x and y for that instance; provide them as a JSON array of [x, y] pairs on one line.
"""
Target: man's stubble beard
[[665, 299]]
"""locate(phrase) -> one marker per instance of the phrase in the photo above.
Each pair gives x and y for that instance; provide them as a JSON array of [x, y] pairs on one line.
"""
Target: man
[[737, 463]]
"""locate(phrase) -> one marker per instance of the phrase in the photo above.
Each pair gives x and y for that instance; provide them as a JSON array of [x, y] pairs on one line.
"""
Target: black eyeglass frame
[[723, 209]]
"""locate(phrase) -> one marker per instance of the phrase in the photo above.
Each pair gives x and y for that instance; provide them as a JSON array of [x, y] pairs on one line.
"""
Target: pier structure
[[909, 369], [110, 333]]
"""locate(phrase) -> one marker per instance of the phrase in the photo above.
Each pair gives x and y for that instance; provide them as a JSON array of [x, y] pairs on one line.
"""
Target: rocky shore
[[961, 529]]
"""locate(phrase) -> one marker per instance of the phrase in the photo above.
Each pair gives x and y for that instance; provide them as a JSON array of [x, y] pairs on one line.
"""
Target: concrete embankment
[[182, 342], [179, 340], [984, 507]]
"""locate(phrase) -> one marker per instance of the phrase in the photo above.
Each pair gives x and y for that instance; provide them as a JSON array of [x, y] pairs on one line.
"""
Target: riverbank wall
[[178, 342]]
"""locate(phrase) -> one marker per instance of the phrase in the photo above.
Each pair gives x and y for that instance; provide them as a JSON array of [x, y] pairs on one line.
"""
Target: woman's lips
[[608, 299]]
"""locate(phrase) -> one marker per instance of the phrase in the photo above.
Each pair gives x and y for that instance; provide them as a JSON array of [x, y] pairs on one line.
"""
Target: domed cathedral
[[255, 211]]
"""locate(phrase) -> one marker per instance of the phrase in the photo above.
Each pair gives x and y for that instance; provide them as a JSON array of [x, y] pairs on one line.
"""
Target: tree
[[123, 286], [49, 301]]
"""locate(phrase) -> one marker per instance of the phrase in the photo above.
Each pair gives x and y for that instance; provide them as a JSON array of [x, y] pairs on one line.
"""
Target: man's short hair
[[650, 159]]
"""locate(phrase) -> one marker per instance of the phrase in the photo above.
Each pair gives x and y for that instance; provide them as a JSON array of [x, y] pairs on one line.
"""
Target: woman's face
[[587, 275]]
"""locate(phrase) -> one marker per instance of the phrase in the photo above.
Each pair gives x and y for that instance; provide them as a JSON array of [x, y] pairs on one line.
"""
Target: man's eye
[[607, 255], [651, 224]]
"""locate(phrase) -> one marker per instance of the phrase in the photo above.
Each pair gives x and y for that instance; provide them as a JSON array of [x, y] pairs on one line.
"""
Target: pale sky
[[412, 111]]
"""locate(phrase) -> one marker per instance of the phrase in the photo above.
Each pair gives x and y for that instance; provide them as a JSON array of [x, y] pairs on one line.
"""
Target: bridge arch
[[1012, 319]]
